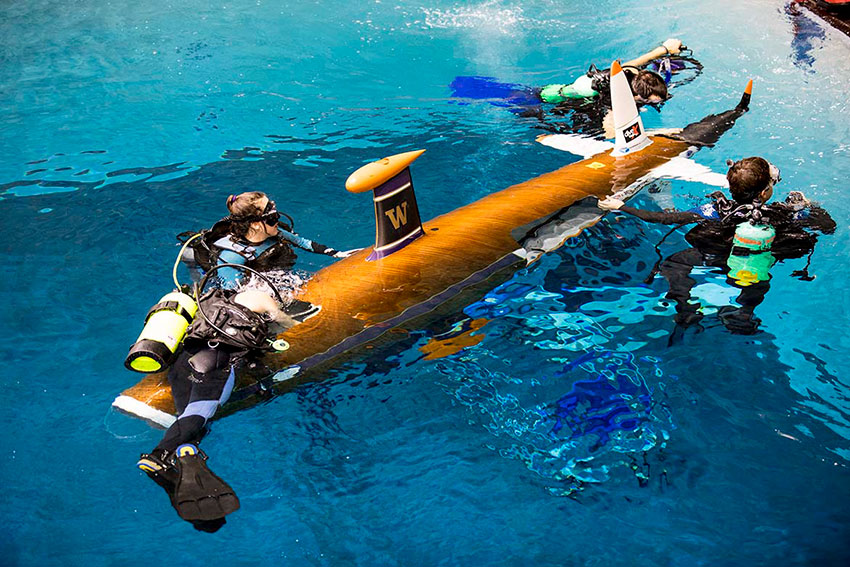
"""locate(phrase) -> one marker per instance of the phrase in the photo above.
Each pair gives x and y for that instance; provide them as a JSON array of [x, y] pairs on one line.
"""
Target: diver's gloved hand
[[610, 204], [673, 46], [345, 253], [797, 200]]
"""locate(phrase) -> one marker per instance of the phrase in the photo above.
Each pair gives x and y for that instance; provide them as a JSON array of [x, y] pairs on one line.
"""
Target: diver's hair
[[649, 83], [748, 178], [244, 206]]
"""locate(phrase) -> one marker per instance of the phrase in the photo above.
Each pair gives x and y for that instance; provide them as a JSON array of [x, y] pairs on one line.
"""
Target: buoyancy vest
[[600, 81], [221, 320], [206, 249], [717, 236], [278, 256]]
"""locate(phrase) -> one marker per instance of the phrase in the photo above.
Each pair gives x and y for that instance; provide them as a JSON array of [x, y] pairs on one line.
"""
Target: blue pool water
[[572, 434]]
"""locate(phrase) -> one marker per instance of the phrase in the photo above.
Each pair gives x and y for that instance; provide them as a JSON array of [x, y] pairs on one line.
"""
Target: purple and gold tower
[[397, 222]]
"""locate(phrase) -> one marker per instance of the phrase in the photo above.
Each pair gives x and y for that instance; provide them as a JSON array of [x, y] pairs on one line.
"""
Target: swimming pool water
[[572, 433]]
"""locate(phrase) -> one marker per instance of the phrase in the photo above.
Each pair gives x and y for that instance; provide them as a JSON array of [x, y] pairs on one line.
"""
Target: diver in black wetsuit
[[647, 84], [253, 235], [587, 102], [592, 116], [234, 328], [743, 237]]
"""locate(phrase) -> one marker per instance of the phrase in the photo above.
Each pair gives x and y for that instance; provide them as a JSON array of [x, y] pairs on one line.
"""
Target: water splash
[[488, 16], [286, 282]]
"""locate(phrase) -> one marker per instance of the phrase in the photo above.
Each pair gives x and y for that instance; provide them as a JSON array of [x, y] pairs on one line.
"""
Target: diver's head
[[649, 87], [752, 178], [254, 216]]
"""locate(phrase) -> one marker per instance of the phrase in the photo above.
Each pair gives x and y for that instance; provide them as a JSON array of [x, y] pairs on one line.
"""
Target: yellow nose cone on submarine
[[378, 172]]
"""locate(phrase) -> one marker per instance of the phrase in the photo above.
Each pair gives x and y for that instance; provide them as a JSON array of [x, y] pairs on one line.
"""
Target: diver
[[586, 101], [648, 86], [252, 235], [232, 330], [743, 237]]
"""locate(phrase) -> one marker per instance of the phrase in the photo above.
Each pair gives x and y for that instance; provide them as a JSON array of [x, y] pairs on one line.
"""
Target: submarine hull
[[461, 255]]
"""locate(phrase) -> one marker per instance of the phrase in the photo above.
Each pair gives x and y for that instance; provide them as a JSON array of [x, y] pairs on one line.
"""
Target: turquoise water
[[571, 434]]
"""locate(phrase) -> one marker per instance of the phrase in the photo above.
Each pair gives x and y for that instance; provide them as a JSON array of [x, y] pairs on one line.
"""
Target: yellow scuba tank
[[751, 260], [165, 327]]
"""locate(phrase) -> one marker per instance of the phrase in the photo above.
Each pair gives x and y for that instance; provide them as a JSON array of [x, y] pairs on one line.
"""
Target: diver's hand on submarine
[[673, 46], [797, 200], [346, 253], [610, 204]]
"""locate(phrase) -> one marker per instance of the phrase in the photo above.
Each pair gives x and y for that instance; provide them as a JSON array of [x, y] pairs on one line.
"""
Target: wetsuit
[[218, 245], [580, 100], [585, 103], [203, 375], [201, 380], [718, 219], [712, 243]]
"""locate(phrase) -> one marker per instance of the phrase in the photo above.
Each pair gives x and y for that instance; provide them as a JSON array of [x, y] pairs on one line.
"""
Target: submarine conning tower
[[397, 222]]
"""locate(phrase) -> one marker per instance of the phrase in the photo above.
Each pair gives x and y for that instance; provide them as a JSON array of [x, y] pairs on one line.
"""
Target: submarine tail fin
[[707, 131], [630, 135], [397, 221], [744, 105]]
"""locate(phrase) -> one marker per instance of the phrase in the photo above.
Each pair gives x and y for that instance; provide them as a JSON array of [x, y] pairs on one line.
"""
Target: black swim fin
[[155, 465], [199, 494]]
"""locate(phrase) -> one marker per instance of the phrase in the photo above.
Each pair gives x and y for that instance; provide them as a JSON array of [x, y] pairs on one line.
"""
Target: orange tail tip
[[615, 67], [745, 98], [378, 172]]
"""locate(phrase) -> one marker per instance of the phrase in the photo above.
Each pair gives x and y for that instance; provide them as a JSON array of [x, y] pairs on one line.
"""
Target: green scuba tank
[[556, 93], [165, 327], [750, 260]]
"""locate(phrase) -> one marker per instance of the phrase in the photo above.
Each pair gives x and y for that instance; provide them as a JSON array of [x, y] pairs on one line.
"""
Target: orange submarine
[[417, 273]]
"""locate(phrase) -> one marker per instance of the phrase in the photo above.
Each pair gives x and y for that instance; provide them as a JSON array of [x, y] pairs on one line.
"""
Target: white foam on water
[[287, 283], [489, 16]]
